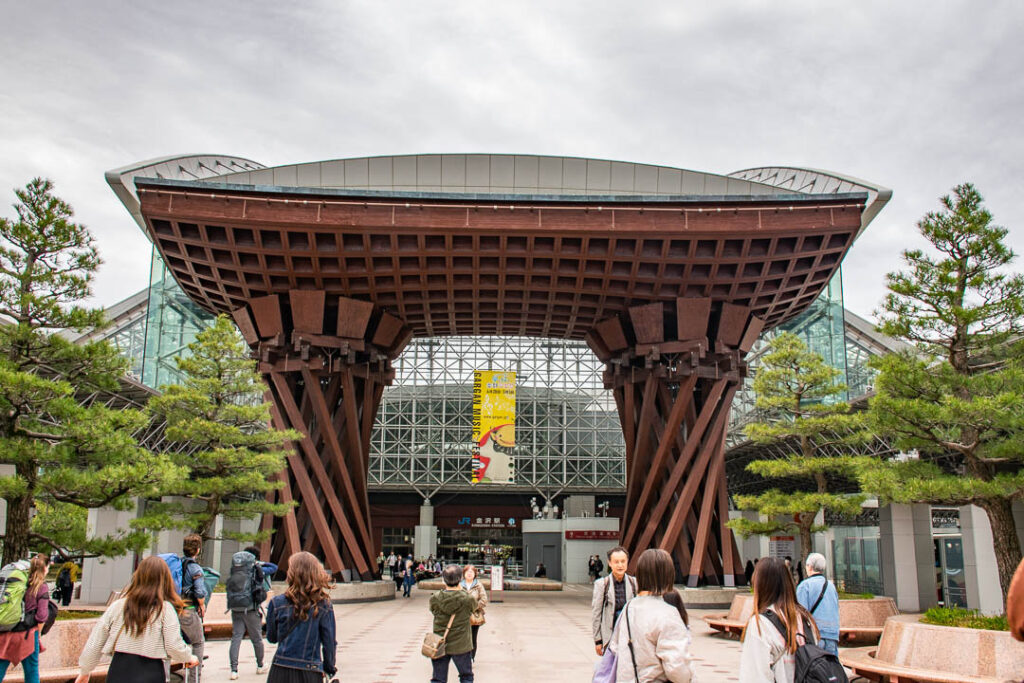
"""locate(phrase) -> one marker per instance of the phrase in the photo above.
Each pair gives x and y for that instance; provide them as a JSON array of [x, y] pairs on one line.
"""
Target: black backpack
[[813, 665]]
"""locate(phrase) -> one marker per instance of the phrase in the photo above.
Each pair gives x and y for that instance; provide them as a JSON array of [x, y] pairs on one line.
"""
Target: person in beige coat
[[611, 594], [471, 585], [658, 629]]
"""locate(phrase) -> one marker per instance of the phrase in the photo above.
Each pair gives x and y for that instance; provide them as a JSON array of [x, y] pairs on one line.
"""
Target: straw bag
[[433, 644]]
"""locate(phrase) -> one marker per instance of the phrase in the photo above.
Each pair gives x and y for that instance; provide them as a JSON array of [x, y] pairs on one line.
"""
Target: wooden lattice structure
[[329, 286]]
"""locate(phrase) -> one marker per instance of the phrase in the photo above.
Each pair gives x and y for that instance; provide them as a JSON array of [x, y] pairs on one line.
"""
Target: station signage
[[591, 535], [488, 522]]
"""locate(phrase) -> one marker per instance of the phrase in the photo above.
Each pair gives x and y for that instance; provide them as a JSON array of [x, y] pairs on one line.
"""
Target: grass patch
[[856, 596], [964, 618], [69, 614]]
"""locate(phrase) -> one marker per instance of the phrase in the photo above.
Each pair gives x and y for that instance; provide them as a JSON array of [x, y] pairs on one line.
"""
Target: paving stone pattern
[[528, 637]]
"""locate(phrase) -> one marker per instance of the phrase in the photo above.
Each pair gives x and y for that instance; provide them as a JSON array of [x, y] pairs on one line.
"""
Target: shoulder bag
[[433, 644], [629, 635]]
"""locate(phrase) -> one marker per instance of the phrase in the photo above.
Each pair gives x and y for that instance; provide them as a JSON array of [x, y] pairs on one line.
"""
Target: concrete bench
[[860, 620], [524, 584], [912, 652]]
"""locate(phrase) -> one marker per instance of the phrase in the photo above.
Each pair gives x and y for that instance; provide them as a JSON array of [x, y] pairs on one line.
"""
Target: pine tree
[[217, 408], [957, 397], [57, 451], [796, 389]]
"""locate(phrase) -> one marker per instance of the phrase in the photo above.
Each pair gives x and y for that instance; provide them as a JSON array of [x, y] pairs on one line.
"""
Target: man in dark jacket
[[459, 644]]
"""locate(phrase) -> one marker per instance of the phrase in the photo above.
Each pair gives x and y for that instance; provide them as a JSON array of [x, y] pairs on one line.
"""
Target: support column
[[674, 370], [326, 363], [425, 538]]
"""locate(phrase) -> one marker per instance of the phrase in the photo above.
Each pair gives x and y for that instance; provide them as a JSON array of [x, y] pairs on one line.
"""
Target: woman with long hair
[[140, 630], [656, 623], [23, 646], [471, 585], [301, 622], [768, 656]]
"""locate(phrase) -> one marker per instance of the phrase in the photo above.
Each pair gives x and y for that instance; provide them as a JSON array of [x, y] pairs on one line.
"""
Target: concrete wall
[[542, 541], [981, 573], [577, 552], [100, 576]]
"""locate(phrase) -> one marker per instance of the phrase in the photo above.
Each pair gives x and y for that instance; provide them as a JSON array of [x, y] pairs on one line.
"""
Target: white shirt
[[161, 639], [763, 658], [661, 643]]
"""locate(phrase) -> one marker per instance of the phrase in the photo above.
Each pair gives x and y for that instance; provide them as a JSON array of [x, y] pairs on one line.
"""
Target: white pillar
[[101, 576], [425, 539], [980, 571]]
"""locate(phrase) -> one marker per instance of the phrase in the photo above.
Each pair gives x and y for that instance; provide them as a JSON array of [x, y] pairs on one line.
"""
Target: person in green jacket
[[459, 644]]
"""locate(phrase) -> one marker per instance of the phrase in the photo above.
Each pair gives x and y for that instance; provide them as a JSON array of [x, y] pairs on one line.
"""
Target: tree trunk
[[806, 522], [1006, 542], [16, 535]]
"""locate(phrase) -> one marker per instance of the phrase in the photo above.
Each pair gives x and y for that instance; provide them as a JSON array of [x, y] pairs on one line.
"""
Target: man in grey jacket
[[611, 594]]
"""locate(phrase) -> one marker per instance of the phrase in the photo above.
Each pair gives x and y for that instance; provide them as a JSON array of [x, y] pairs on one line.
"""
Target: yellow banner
[[494, 426]]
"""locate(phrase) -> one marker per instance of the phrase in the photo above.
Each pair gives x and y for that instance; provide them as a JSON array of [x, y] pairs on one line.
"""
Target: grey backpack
[[241, 582]]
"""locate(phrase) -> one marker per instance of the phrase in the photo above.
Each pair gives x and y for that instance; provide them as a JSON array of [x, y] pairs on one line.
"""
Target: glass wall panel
[[857, 565], [172, 323]]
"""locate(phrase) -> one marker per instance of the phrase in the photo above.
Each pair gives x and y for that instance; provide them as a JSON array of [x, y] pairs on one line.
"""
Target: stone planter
[[58, 663], [912, 651]]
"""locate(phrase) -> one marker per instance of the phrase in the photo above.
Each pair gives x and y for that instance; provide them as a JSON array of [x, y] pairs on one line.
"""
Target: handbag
[[606, 668], [433, 644]]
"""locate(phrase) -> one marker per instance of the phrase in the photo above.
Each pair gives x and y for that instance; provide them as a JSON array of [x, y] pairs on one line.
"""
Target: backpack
[[242, 582], [211, 577], [174, 564], [29, 619], [13, 582], [813, 665]]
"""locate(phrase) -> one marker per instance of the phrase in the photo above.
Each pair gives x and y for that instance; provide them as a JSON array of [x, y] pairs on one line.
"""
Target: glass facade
[[857, 565], [567, 429], [172, 323], [823, 329]]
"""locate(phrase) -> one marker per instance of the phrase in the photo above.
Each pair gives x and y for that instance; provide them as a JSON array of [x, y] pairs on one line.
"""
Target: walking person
[[820, 598], [652, 640], [392, 560], [66, 583], [140, 630], [471, 585], [380, 565], [246, 592], [194, 595], [408, 579], [452, 608], [611, 593], [23, 646], [767, 656], [301, 622]]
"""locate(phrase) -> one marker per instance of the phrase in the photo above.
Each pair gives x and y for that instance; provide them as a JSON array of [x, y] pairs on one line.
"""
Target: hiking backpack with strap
[[174, 564], [241, 581], [813, 665], [13, 583]]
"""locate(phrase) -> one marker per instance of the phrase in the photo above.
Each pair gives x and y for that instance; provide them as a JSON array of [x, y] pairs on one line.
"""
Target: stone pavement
[[535, 637]]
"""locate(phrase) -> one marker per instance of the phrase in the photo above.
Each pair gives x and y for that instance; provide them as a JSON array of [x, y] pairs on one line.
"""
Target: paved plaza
[[543, 636]]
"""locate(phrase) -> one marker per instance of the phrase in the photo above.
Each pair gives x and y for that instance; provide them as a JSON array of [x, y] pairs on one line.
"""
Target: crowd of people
[[640, 625]]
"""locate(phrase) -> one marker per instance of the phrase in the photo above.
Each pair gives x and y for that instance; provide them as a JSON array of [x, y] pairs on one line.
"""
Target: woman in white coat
[[767, 656], [656, 629]]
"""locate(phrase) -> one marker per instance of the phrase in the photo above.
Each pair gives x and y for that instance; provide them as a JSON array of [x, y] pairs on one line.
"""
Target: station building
[[570, 451]]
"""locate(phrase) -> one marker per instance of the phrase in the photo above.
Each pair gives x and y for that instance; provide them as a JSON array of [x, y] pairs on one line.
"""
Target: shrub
[[964, 618]]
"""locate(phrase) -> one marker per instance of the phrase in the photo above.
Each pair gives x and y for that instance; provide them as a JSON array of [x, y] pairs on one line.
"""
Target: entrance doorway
[[950, 584]]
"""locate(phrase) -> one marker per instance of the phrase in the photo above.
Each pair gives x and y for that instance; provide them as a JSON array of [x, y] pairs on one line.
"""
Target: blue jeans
[[830, 646], [407, 585], [463, 664], [30, 665]]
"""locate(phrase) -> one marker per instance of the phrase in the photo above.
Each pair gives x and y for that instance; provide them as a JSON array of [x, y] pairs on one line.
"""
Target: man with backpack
[[246, 593], [193, 591], [819, 597]]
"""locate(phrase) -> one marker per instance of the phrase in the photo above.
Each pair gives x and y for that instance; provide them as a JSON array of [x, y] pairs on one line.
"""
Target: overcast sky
[[917, 96]]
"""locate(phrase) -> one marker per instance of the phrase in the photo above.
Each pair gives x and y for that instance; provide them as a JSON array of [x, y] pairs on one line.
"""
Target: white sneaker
[[261, 670], [234, 676]]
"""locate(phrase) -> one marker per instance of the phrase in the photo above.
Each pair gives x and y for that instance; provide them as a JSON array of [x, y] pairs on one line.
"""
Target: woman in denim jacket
[[302, 623]]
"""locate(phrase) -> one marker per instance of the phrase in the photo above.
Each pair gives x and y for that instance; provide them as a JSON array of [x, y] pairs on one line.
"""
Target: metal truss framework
[[569, 437]]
